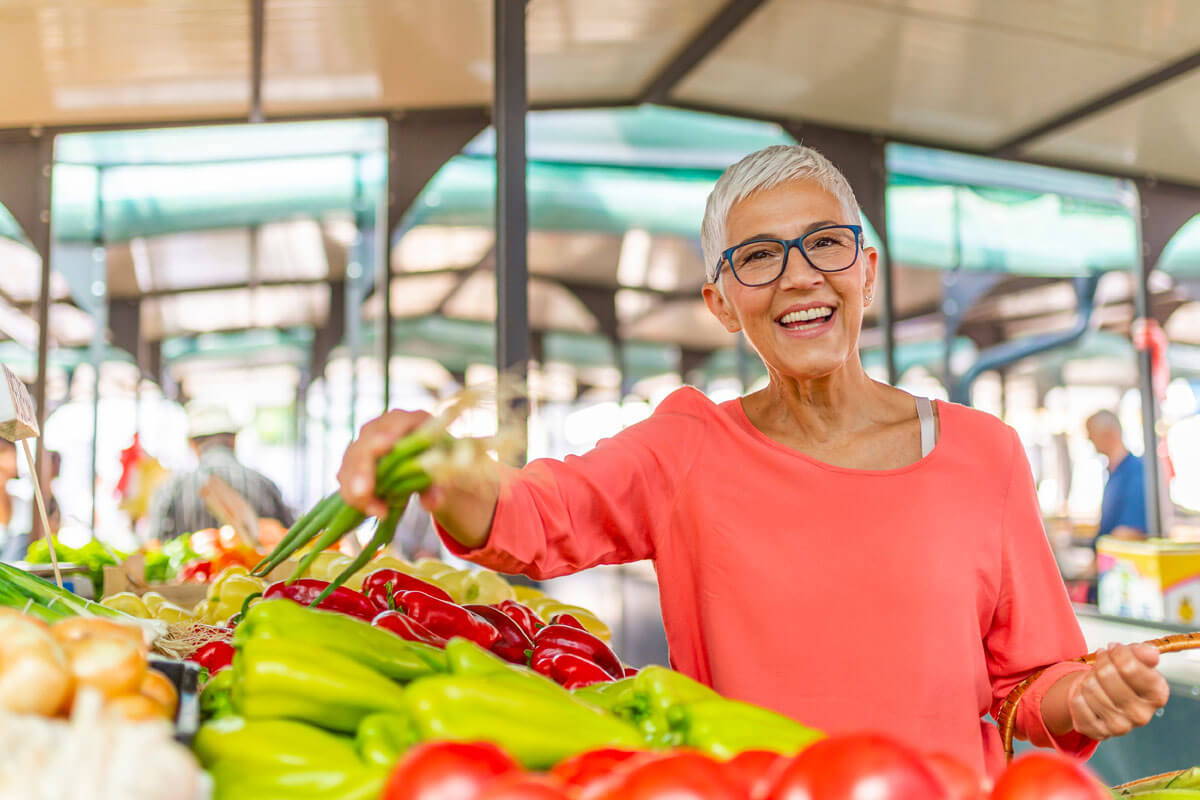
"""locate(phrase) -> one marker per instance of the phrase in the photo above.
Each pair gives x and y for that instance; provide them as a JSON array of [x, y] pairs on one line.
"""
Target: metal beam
[[1180, 66], [419, 144], [709, 38], [26, 171], [512, 213], [1161, 211], [258, 25]]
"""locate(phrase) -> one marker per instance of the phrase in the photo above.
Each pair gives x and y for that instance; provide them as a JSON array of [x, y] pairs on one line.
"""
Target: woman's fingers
[[356, 477], [1122, 692]]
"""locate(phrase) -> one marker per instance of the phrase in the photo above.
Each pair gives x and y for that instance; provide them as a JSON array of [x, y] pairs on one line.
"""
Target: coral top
[[906, 600]]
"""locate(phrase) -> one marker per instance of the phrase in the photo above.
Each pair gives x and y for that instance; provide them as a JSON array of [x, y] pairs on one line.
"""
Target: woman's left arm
[[1120, 692], [1071, 706]]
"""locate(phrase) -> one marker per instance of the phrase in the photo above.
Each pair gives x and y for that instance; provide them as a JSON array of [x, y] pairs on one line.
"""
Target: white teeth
[[806, 315]]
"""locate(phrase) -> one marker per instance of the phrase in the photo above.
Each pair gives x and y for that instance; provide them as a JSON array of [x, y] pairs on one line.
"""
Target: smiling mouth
[[807, 318]]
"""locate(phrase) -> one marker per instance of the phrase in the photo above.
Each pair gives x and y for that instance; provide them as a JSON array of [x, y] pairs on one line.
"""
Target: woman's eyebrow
[[809, 228]]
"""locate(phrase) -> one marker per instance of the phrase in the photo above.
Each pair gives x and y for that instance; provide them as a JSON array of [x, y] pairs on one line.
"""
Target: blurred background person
[[1123, 504], [178, 505], [16, 510]]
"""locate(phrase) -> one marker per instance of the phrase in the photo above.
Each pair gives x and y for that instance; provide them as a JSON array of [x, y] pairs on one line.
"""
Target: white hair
[[765, 169]]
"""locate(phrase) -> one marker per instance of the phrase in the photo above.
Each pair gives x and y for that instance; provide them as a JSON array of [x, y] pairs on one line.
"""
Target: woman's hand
[[464, 508], [1121, 692], [357, 475]]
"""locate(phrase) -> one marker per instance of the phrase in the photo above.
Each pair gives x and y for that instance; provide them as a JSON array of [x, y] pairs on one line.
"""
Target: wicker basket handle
[[1006, 720]]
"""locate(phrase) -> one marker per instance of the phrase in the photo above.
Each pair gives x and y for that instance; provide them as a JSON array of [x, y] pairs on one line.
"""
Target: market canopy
[[1109, 86]]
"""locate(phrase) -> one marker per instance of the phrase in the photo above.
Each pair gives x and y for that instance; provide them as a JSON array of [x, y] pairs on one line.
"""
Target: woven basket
[[1006, 720], [1143, 781]]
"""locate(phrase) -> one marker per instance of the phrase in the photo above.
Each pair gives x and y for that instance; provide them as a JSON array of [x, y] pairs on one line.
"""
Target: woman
[[830, 546]]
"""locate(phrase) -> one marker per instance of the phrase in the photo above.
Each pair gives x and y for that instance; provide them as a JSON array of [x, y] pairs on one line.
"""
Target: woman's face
[[797, 349]]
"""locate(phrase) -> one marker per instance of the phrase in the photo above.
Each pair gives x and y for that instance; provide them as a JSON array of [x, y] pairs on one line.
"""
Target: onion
[[112, 666], [33, 671], [136, 708], [77, 628], [158, 687]]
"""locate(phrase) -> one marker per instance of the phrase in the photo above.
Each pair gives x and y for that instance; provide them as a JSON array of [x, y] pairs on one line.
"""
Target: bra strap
[[928, 427]]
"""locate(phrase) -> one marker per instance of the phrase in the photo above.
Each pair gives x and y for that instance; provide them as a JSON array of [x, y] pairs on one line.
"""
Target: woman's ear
[[871, 270], [720, 308]]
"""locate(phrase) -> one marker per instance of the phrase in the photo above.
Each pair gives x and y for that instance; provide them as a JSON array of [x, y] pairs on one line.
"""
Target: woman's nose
[[798, 273]]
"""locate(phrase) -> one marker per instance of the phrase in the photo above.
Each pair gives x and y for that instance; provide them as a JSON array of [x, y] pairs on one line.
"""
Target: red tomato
[[857, 767], [1048, 776], [447, 771], [523, 786], [962, 782], [755, 770], [678, 776], [579, 772]]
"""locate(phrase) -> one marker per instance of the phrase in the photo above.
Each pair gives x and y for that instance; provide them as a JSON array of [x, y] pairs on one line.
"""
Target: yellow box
[[1155, 579]]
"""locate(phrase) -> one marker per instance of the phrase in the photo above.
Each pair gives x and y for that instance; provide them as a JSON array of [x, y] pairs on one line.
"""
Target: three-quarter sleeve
[[607, 506], [1034, 625]]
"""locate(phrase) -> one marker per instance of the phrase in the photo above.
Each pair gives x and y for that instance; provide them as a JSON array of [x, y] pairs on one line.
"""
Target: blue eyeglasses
[[759, 262]]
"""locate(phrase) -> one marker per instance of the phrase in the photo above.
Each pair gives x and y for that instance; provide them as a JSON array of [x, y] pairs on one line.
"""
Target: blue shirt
[[1124, 501]]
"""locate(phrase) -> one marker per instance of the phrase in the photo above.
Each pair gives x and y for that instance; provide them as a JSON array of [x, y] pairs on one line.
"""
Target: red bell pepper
[[571, 670], [568, 620], [197, 572], [554, 639], [214, 656], [342, 600], [523, 615], [382, 585], [513, 645], [407, 628], [447, 619], [630, 672]]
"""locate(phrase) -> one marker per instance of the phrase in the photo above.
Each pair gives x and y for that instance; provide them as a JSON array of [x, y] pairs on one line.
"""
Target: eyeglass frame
[[788, 244]]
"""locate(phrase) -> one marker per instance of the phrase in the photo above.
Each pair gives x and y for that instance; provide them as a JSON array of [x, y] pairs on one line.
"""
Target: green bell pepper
[[724, 728], [280, 760], [383, 737], [616, 697], [384, 651], [215, 697], [464, 657], [539, 727], [276, 677], [665, 689]]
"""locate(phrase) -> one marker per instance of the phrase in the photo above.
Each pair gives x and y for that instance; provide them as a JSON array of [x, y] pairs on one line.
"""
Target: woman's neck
[[818, 409]]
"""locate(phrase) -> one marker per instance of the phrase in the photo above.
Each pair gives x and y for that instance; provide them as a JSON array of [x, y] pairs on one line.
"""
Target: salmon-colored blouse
[[906, 600]]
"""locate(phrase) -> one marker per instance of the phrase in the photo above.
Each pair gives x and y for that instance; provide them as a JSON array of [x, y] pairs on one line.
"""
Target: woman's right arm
[[552, 517], [466, 514]]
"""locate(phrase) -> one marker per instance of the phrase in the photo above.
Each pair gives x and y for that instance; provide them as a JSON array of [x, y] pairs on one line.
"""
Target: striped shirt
[[177, 506]]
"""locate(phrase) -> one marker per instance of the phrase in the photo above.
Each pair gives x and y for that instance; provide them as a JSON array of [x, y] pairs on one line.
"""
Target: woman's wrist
[[1056, 704]]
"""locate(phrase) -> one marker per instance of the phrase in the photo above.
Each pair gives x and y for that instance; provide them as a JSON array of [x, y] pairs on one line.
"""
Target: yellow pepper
[[430, 568], [491, 589], [527, 594], [324, 563], [237, 588], [128, 602], [152, 601], [548, 607], [457, 584], [172, 614], [218, 583]]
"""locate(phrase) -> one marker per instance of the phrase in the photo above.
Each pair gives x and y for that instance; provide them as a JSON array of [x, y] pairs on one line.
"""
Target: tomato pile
[[851, 767]]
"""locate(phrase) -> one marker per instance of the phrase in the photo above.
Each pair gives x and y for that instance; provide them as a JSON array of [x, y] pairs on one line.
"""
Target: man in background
[[1123, 506], [178, 506]]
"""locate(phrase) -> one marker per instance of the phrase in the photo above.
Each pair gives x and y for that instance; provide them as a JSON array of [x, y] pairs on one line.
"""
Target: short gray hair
[[765, 169]]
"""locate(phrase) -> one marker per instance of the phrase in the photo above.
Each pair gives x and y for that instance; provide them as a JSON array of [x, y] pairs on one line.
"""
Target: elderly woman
[[830, 546]]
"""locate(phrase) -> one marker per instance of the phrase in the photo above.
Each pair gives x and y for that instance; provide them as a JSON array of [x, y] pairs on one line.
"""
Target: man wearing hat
[[178, 505]]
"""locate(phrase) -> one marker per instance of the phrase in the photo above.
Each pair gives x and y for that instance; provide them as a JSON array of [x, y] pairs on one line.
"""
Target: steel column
[[512, 218], [1159, 212]]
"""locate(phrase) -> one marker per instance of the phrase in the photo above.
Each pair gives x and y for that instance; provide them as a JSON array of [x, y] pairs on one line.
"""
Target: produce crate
[[186, 678], [116, 579]]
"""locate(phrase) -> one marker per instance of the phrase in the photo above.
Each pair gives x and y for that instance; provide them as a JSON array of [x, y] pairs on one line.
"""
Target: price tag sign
[[17, 418]]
